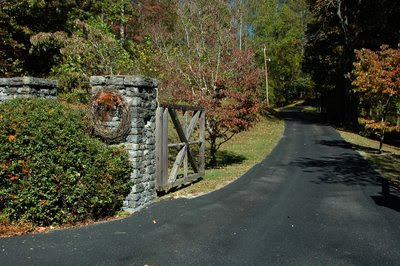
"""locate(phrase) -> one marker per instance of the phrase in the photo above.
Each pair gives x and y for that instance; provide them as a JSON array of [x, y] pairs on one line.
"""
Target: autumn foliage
[[377, 82]]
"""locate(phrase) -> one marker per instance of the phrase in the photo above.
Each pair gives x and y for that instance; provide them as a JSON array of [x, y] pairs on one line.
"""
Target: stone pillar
[[27, 87], [140, 94]]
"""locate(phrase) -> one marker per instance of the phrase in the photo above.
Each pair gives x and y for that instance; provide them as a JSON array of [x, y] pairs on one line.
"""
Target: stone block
[[134, 139], [136, 174], [152, 185], [132, 147], [97, 80], [45, 91], [150, 141], [15, 81], [133, 197], [138, 188], [115, 80], [135, 101], [139, 81]]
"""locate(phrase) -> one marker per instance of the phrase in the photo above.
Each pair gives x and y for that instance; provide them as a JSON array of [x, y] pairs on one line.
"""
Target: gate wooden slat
[[182, 137], [177, 164], [185, 128], [188, 179], [159, 146], [165, 179], [193, 124], [164, 160], [202, 143]]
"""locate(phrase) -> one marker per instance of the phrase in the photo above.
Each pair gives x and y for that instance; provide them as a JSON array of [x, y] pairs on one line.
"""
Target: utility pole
[[266, 73]]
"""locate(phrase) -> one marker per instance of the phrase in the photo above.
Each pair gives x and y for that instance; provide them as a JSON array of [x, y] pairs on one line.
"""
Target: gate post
[[140, 94]]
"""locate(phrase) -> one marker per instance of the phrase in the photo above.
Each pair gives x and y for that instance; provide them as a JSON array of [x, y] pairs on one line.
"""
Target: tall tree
[[280, 26], [202, 63], [338, 28], [377, 82]]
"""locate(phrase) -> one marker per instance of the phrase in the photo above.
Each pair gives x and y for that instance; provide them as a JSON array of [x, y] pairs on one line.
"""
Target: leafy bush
[[51, 171], [92, 49]]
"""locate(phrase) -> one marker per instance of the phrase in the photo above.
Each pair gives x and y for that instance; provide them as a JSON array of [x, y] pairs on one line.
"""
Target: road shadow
[[346, 145], [348, 169], [386, 162], [297, 114], [391, 201]]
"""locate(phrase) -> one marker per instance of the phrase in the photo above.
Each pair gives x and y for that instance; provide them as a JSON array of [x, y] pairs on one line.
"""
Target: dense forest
[[231, 56]]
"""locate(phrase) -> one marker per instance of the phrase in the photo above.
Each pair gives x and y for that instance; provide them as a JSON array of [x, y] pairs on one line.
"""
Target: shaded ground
[[387, 163], [313, 201]]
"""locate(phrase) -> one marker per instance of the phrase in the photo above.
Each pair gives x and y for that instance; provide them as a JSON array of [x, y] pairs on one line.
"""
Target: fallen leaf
[[41, 229]]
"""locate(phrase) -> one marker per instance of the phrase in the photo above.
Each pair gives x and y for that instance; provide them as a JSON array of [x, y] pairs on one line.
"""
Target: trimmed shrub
[[51, 170]]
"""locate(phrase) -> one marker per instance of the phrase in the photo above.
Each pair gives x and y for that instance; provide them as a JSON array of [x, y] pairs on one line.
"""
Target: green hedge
[[51, 171]]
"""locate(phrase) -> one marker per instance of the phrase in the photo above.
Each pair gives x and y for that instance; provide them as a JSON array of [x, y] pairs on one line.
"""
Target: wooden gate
[[172, 175]]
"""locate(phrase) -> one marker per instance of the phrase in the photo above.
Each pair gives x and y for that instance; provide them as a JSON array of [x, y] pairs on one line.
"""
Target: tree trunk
[[122, 26], [382, 136], [213, 152]]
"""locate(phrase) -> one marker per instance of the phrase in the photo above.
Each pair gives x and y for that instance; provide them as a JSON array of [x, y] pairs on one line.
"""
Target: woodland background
[[211, 53]]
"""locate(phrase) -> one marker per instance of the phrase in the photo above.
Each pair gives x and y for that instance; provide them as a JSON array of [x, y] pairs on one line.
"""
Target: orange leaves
[[26, 171], [377, 73], [11, 137], [377, 126], [105, 98], [12, 177]]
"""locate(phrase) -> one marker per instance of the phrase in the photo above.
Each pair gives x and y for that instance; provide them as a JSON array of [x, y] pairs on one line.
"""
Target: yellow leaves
[[44, 202]]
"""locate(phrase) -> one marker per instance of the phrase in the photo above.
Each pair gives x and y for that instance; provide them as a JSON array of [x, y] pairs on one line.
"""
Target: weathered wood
[[166, 180], [182, 137], [186, 180], [159, 145], [202, 141], [177, 164], [192, 125], [185, 127], [183, 144], [164, 163]]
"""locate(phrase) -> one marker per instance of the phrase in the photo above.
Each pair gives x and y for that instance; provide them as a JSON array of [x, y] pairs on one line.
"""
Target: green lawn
[[236, 157]]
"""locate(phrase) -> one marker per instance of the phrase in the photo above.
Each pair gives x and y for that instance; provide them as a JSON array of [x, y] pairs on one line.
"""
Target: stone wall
[[27, 87], [141, 96]]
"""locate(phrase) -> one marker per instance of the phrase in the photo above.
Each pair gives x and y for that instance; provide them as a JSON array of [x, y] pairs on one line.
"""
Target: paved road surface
[[313, 201]]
